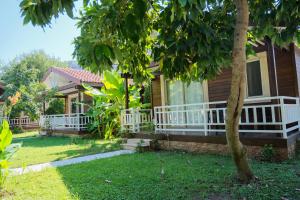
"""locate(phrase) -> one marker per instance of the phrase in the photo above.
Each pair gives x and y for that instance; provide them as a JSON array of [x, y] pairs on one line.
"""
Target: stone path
[[39, 167]]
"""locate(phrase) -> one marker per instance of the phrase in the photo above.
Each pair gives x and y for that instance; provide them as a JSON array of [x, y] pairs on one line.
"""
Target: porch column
[[79, 110], [66, 105], [44, 108], [126, 92], [79, 101]]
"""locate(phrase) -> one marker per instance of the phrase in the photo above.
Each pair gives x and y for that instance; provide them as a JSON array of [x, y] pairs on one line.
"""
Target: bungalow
[[68, 84], [192, 116]]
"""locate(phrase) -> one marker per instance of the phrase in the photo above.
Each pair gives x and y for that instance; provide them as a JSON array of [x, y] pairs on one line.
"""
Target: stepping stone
[[132, 144]]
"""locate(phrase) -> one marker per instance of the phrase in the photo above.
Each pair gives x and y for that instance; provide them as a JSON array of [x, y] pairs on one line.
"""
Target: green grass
[[26, 134], [138, 176], [36, 149]]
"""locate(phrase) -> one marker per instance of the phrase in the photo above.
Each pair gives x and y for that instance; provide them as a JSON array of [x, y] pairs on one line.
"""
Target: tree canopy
[[190, 39], [24, 74]]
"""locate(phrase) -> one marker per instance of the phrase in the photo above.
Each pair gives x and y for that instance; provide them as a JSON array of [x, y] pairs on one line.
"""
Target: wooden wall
[[286, 72], [156, 92], [219, 88], [288, 75]]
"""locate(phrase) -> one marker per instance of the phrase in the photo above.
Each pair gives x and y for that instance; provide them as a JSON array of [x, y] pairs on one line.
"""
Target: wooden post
[[79, 109], [126, 92], [66, 105], [79, 99], [142, 92]]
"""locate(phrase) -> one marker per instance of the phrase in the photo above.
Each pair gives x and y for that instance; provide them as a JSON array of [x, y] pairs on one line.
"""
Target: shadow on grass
[[92, 149], [168, 175], [51, 141]]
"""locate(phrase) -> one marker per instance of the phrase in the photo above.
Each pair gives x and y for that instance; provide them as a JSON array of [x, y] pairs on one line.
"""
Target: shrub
[[56, 106], [268, 153], [17, 130], [108, 103]]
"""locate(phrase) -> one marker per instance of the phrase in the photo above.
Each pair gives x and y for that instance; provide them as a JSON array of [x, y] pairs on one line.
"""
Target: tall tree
[[24, 74], [191, 39]]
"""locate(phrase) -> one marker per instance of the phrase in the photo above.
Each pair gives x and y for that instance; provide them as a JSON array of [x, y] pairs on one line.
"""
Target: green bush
[[108, 103], [56, 106], [268, 153], [17, 130]]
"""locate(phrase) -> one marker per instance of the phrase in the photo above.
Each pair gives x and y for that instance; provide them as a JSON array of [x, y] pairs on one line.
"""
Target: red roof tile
[[77, 75]]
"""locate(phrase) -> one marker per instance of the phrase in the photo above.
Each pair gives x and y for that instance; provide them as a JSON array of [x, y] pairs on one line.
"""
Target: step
[[139, 141], [132, 144], [133, 147]]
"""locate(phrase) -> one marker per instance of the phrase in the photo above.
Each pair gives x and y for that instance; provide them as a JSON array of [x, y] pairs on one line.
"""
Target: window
[[179, 93], [257, 76], [254, 82]]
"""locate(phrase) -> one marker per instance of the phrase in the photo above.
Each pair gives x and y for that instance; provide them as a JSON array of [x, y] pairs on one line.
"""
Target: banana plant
[[6, 150], [108, 102]]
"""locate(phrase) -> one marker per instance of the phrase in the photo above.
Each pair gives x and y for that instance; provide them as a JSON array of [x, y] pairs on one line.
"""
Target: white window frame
[[264, 73], [164, 95]]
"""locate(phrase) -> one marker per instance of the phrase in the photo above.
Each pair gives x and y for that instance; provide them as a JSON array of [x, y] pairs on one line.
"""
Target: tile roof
[[77, 75]]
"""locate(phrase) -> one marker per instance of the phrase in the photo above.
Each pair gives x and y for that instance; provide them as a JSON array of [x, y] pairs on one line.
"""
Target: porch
[[264, 117]]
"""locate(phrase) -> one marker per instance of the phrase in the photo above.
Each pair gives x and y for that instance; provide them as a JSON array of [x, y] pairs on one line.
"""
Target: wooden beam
[[126, 94]]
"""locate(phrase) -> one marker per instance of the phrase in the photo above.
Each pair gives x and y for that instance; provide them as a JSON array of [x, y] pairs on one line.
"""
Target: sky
[[17, 39]]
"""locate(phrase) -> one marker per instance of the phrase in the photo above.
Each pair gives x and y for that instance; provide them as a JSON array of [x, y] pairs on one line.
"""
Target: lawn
[[36, 149], [139, 176]]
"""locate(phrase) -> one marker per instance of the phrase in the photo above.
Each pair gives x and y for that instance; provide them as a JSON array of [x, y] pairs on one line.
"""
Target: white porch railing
[[135, 119], [269, 115], [77, 121], [21, 122]]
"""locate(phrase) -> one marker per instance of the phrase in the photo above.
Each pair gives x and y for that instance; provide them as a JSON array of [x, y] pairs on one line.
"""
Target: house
[[192, 117], [68, 84]]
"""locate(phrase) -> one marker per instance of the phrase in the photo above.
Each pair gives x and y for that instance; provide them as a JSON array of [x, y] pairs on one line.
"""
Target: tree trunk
[[237, 93]]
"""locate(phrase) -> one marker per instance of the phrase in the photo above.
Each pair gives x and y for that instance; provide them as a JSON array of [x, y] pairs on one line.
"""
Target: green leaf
[[182, 2], [5, 136]]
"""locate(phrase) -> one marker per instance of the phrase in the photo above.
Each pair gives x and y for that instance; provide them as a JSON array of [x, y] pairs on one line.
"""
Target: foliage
[[56, 106], [147, 94], [6, 150], [187, 176], [125, 39], [268, 153], [23, 74], [108, 103], [56, 148], [191, 39], [38, 12], [17, 130]]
